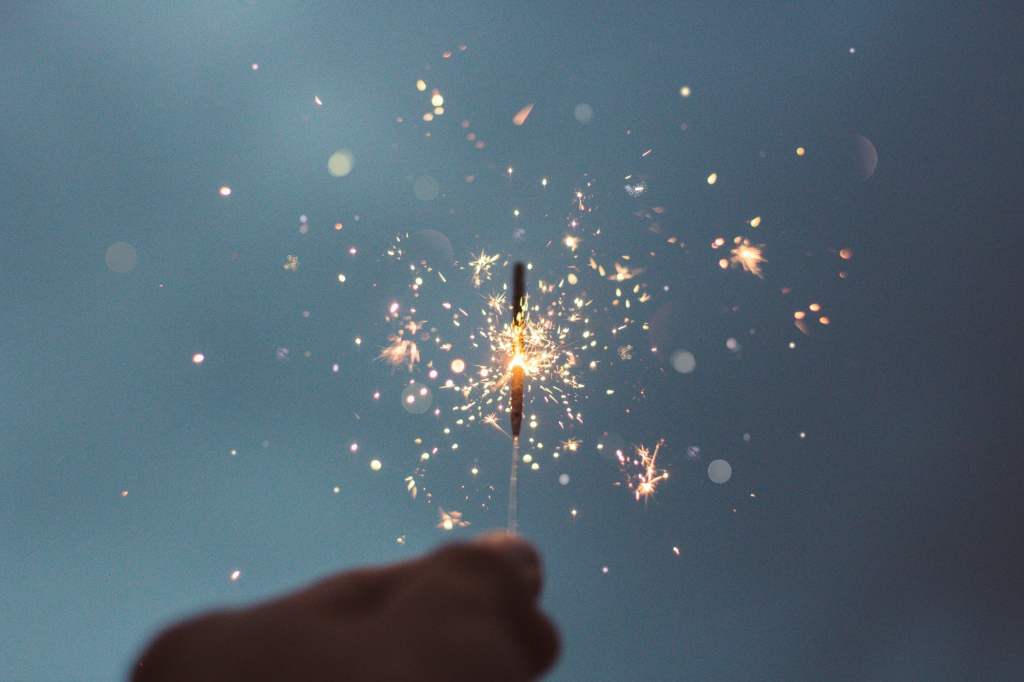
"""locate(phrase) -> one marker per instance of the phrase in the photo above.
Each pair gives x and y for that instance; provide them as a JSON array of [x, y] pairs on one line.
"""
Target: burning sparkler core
[[518, 368]]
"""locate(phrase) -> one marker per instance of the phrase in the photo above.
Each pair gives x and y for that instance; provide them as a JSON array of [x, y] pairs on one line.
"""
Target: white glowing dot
[[421, 85], [224, 191], [803, 434], [198, 359], [341, 277], [359, 341], [255, 66], [317, 101], [336, 489], [543, 182], [515, 212], [375, 464], [604, 569], [124, 493], [713, 178], [685, 91], [232, 452], [436, 99], [675, 550], [235, 575], [732, 344], [535, 466], [354, 447], [474, 471]]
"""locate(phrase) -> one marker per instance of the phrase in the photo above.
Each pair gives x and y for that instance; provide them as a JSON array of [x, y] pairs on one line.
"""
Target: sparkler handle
[[513, 489]]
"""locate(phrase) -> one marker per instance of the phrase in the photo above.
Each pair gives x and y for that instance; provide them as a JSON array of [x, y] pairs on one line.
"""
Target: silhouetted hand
[[465, 612]]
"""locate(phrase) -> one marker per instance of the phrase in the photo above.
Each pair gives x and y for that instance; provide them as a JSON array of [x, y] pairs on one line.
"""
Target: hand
[[465, 612]]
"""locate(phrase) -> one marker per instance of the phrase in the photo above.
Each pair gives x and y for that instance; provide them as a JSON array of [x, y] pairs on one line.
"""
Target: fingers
[[520, 554]]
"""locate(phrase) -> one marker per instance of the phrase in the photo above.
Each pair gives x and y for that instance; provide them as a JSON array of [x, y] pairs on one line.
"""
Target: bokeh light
[[121, 257], [719, 471], [340, 163]]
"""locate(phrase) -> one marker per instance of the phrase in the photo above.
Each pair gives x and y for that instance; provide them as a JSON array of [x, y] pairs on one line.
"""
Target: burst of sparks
[[482, 267], [400, 351], [451, 520], [748, 256], [641, 470]]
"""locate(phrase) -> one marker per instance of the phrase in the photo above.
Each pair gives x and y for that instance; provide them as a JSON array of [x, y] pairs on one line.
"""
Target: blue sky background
[[884, 545]]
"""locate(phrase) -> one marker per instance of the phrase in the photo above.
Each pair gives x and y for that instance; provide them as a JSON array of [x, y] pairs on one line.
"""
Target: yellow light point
[[450, 520], [375, 464], [571, 242], [713, 178], [421, 85], [436, 99], [685, 91], [800, 151], [748, 256], [755, 221]]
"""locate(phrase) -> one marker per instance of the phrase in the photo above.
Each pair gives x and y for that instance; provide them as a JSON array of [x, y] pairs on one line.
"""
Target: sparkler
[[516, 389]]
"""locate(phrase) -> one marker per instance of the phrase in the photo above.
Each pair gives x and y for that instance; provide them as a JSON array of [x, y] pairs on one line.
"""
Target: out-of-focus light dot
[[198, 359], [803, 434], [474, 471], [719, 471], [255, 66], [232, 452], [800, 151], [535, 466], [121, 257], [375, 464], [712, 178], [572, 278], [755, 221], [353, 448], [436, 99], [683, 361], [458, 365], [338, 227], [425, 188], [824, 320], [235, 575], [792, 345], [340, 163], [604, 569], [428, 117], [421, 85], [410, 399], [814, 307], [563, 479], [675, 550], [573, 513], [732, 344], [124, 493], [359, 341], [527, 458], [224, 191], [685, 91], [846, 254], [336, 489], [543, 182], [515, 212], [853, 50], [376, 395], [799, 315], [341, 277], [432, 374], [583, 113]]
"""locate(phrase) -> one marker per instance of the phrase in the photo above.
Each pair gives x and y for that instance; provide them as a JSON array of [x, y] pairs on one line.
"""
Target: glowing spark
[[400, 351], [482, 267], [572, 242], [291, 263], [451, 520], [641, 470], [748, 256], [521, 115]]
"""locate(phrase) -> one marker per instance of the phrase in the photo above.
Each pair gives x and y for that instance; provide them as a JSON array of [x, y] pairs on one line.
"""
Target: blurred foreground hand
[[465, 612]]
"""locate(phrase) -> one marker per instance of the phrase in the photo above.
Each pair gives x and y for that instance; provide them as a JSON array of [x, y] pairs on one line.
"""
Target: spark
[[521, 115], [451, 520], [748, 256], [482, 267], [641, 469]]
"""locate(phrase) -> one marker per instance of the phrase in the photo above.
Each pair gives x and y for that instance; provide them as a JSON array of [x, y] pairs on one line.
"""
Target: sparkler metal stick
[[516, 393]]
